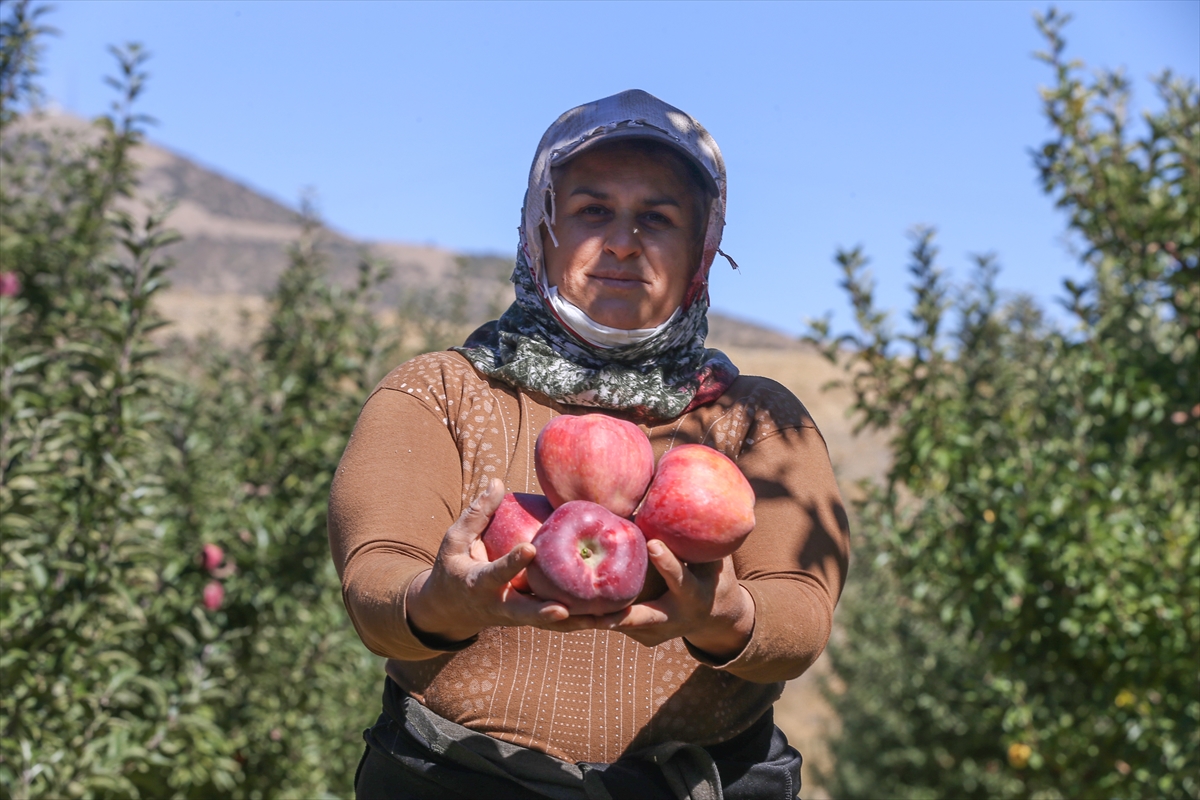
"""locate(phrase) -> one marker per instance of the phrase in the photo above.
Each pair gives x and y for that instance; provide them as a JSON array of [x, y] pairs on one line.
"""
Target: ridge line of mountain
[[235, 240]]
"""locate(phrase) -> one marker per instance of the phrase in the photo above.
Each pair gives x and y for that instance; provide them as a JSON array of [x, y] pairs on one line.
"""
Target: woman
[[493, 693]]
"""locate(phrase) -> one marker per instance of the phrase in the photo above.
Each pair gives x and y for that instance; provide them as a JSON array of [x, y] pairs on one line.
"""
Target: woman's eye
[[593, 211], [656, 218]]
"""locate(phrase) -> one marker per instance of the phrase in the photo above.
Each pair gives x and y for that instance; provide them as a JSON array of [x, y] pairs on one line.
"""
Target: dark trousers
[[758, 764]]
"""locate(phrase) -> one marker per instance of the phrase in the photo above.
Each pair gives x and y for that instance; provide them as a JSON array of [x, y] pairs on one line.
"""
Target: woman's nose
[[623, 240]]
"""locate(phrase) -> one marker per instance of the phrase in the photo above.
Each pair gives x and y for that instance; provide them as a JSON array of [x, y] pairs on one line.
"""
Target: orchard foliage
[[1027, 619], [132, 665]]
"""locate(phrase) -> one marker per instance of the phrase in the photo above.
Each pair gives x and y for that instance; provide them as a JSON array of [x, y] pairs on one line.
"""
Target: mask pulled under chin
[[593, 332]]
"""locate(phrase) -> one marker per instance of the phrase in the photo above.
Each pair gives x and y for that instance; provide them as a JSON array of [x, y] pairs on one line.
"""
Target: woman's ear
[[705, 212], [547, 236]]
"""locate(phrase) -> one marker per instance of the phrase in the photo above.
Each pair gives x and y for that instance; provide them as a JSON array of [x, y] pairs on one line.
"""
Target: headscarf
[[531, 347]]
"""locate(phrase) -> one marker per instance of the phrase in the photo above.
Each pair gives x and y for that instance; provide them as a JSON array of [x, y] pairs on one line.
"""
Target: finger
[[499, 572], [553, 613], [486, 503], [475, 517], [548, 615], [639, 615], [728, 573], [708, 572], [615, 619], [524, 609], [478, 550], [670, 567]]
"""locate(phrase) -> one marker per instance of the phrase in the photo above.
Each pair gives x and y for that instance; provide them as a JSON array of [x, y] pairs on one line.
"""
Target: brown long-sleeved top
[[430, 437]]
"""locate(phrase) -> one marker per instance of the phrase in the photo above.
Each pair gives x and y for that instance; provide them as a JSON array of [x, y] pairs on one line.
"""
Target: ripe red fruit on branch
[[516, 520], [588, 559], [594, 457], [212, 556], [214, 595], [699, 504], [10, 284]]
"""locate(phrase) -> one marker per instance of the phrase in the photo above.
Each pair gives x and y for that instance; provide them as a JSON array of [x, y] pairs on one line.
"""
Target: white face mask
[[593, 332]]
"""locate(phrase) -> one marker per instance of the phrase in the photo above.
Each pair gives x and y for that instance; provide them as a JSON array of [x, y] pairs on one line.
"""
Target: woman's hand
[[704, 604], [465, 593]]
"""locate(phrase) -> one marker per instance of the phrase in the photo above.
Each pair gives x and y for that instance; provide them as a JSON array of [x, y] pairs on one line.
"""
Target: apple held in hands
[[588, 559], [594, 457], [699, 504], [516, 520]]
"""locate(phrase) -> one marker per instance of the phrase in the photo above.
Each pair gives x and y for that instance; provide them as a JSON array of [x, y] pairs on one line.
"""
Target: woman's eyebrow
[[599, 195]]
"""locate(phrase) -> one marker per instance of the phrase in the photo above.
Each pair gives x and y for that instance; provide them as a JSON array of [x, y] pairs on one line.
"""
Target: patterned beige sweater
[[433, 433]]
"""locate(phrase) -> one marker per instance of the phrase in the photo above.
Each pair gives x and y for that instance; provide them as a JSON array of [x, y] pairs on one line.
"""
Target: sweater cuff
[[435, 644], [780, 648], [382, 621]]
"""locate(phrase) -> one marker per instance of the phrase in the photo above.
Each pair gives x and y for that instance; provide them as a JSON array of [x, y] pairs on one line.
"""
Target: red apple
[[214, 595], [516, 520], [212, 555], [588, 559], [594, 457], [699, 504]]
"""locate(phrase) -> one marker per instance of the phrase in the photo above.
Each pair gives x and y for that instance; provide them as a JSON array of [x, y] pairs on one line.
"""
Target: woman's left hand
[[704, 604]]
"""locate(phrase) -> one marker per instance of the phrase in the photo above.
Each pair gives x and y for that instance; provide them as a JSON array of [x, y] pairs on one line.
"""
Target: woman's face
[[628, 238]]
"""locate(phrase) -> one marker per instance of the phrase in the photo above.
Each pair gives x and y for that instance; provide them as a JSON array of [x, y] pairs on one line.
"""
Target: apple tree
[[1026, 614], [170, 621]]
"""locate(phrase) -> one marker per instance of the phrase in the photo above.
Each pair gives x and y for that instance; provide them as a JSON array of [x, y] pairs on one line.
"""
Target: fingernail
[[654, 548]]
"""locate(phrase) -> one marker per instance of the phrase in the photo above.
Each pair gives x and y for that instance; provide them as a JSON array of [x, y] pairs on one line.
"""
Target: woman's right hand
[[465, 593]]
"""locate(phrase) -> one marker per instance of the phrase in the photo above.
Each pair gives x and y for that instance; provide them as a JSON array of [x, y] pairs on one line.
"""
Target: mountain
[[235, 240]]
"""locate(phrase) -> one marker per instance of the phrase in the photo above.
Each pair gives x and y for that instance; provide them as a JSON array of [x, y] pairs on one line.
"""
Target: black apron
[[415, 754]]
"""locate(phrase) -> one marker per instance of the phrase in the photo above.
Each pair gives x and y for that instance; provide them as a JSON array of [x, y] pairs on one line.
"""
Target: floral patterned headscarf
[[530, 347]]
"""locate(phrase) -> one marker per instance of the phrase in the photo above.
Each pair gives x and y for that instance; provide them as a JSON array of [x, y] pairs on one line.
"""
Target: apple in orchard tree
[[211, 556], [594, 457], [516, 520], [699, 504], [588, 558]]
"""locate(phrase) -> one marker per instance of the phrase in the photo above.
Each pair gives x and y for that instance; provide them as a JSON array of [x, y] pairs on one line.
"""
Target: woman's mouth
[[619, 281]]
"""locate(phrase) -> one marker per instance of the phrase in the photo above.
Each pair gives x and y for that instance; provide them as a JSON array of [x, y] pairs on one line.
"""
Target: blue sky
[[841, 123]]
